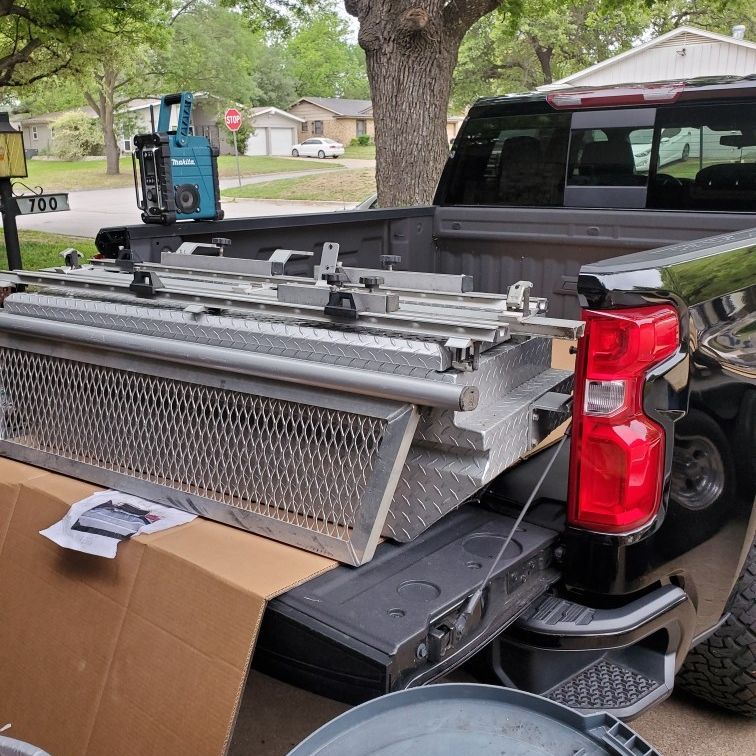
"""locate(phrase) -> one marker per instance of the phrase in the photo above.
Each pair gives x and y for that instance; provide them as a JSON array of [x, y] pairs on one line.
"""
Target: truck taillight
[[617, 452]]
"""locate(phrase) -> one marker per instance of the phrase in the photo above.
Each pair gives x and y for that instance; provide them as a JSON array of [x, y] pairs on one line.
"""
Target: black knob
[[371, 282], [334, 279], [387, 261], [221, 241]]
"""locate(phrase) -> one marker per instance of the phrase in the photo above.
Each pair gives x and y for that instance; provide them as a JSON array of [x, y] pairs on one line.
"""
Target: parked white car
[[320, 147], [675, 146]]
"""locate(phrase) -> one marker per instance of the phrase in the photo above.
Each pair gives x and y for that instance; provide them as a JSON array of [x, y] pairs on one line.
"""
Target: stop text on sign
[[233, 119]]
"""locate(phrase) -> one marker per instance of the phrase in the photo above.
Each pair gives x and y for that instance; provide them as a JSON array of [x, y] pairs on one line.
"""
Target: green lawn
[[54, 175], [365, 153], [690, 167], [42, 250], [344, 186]]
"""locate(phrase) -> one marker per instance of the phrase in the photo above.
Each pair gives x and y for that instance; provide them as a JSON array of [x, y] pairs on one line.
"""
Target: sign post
[[12, 165], [233, 119]]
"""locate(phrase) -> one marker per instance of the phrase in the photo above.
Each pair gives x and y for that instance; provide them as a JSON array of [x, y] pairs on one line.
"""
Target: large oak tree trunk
[[411, 84], [411, 48]]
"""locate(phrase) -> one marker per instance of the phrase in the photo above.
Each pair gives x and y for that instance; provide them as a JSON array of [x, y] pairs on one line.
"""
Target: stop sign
[[233, 119]]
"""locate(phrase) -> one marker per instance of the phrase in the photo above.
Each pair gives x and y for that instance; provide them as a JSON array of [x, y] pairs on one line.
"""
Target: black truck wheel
[[722, 669]]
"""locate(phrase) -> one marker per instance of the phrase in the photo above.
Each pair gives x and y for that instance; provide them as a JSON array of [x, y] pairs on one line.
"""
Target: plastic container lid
[[13, 747], [484, 720]]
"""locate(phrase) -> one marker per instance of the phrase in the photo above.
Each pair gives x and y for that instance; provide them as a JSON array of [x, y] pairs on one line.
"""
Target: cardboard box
[[147, 653]]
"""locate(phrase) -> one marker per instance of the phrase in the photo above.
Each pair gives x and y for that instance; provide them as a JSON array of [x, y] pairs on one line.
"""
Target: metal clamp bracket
[[145, 283], [341, 305], [518, 296]]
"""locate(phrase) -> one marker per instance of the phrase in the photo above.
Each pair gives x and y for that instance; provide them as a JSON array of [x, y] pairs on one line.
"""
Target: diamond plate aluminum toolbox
[[325, 412]]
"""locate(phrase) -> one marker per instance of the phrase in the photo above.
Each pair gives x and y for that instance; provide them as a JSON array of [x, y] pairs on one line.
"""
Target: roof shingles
[[343, 107]]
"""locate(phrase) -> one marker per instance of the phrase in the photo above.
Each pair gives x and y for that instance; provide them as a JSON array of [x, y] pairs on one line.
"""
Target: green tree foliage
[[56, 92], [211, 50], [712, 15], [524, 46], [323, 60], [275, 81], [109, 66], [76, 135], [546, 40], [39, 38], [214, 50]]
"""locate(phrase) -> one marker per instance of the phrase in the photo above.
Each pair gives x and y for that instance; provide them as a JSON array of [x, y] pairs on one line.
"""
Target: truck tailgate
[[353, 634]]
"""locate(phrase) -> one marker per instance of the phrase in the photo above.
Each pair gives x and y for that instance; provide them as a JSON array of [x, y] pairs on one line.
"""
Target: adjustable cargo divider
[[322, 463]]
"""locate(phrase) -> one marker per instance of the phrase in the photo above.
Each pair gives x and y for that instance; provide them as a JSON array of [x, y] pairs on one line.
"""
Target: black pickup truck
[[635, 565]]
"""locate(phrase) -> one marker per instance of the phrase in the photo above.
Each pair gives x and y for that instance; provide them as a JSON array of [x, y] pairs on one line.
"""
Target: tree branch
[[185, 8], [459, 16], [92, 103], [20, 56], [16, 10], [7, 77]]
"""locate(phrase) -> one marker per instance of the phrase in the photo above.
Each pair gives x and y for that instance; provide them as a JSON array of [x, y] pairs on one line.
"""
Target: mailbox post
[[12, 165]]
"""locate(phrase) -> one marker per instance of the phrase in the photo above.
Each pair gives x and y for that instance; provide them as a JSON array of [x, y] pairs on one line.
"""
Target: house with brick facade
[[342, 119], [333, 117]]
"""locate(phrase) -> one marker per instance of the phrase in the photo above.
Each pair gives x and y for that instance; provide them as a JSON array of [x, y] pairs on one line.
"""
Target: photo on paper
[[115, 520]]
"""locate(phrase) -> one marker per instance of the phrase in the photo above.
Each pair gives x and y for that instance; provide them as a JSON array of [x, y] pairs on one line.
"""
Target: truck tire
[[722, 669]]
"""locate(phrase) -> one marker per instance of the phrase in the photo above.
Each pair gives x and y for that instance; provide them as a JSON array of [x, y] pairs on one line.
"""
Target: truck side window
[[706, 158], [515, 160]]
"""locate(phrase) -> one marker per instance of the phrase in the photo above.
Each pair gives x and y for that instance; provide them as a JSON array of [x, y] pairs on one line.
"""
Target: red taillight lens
[[617, 452]]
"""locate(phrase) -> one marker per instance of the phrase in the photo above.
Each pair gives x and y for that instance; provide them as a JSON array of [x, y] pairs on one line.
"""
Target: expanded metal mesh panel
[[296, 463]]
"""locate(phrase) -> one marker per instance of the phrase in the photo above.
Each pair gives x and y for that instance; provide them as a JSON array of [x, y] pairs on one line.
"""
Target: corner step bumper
[[620, 660]]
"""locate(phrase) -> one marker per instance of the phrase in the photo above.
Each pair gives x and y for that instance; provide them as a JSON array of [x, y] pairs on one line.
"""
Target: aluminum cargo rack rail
[[214, 394], [421, 313]]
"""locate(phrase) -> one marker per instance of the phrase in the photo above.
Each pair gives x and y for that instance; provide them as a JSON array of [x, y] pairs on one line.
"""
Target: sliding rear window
[[704, 158], [516, 160]]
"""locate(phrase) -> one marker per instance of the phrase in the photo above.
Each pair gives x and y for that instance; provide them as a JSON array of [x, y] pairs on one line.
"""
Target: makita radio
[[178, 172]]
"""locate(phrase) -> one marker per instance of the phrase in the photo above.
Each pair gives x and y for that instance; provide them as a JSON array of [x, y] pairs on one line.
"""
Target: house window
[[361, 127], [305, 126], [35, 135], [127, 145], [317, 127]]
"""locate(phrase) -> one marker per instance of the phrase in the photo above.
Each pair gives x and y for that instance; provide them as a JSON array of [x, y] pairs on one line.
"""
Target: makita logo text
[[183, 161]]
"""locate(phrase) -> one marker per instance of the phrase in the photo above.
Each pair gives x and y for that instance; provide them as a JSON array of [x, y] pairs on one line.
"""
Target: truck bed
[[495, 245]]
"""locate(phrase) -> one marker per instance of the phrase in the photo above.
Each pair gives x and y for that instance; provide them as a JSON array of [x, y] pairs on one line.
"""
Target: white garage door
[[256, 144], [281, 141]]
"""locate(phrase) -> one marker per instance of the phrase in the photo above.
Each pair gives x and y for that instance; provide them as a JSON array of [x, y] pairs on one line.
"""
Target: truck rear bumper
[[353, 634], [622, 660]]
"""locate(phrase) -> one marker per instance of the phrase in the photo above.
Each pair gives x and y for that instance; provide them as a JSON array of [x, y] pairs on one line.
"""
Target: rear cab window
[[674, 157], [510, 160]]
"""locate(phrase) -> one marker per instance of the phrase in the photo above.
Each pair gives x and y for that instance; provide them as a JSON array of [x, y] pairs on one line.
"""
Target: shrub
[[363, 140], [76, 135]]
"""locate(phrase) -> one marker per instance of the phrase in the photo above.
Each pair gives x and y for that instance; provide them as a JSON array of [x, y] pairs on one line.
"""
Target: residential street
[[96, 209]]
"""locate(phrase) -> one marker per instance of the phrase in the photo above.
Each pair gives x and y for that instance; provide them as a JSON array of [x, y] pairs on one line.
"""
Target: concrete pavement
[[97, 208], [275, 716]]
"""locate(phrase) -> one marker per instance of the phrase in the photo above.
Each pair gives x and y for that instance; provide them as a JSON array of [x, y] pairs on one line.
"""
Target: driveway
[[275, 716], [97, 208]]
